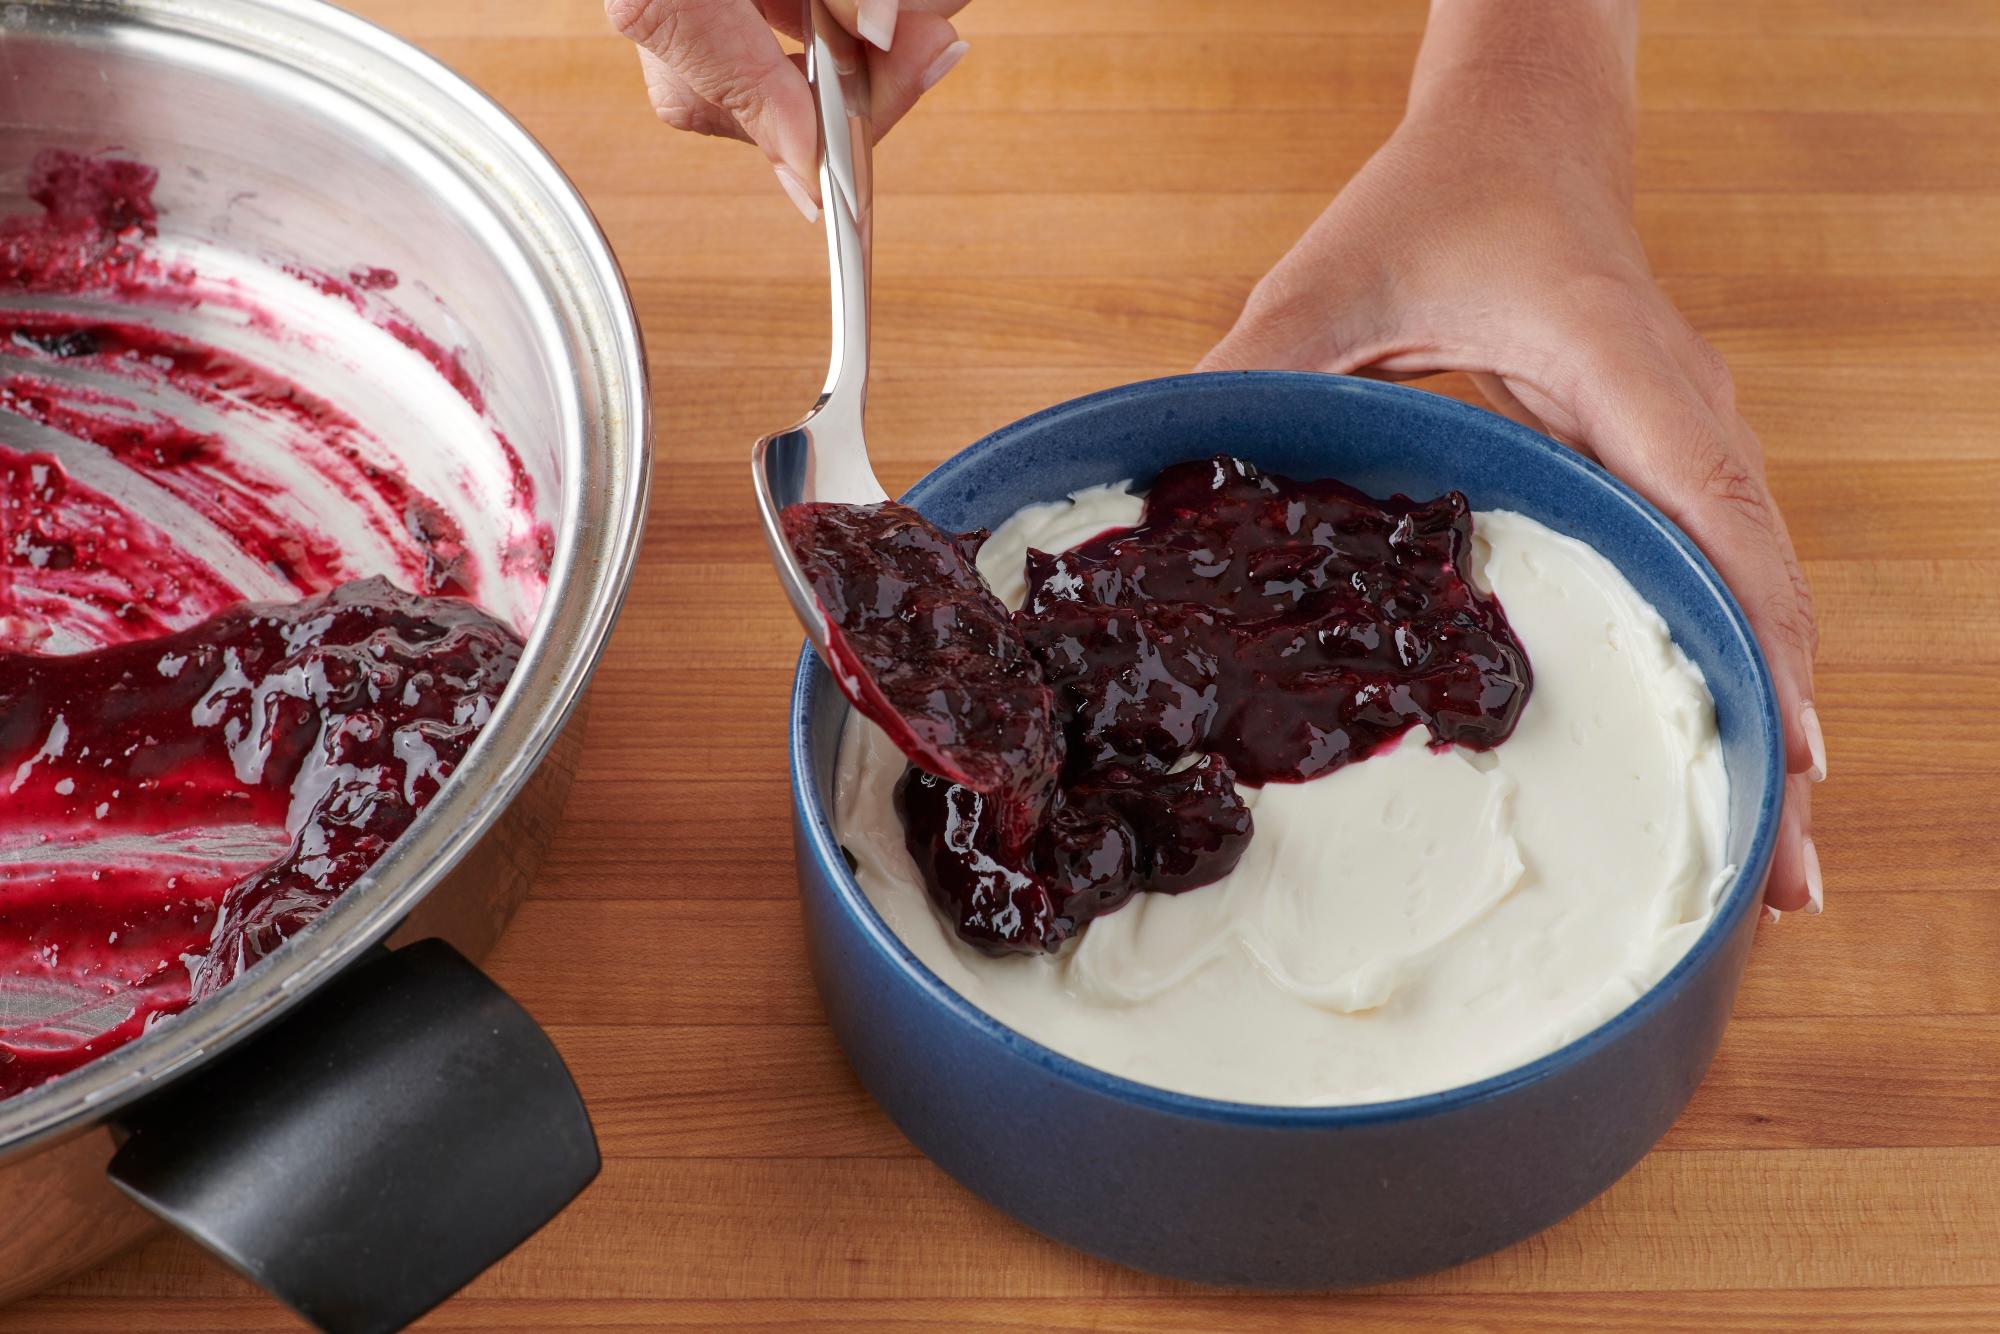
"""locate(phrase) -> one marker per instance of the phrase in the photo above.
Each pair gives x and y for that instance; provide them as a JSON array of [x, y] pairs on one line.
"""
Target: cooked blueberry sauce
[[214, 773], [1291, 627], [1249, 629], [337, 718], [922, 647]]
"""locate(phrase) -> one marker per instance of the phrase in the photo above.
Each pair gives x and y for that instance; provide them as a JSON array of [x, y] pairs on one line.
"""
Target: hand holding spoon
[[895, 607]]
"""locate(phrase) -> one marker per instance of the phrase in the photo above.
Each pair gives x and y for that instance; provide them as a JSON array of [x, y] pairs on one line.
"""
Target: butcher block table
[[1085, 201]]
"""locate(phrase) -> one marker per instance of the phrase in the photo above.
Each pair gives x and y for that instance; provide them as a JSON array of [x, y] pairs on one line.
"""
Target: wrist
[[1583, 49], [1546, 77]]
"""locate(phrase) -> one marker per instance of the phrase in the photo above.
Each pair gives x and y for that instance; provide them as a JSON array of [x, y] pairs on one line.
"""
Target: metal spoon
[[825, 457]]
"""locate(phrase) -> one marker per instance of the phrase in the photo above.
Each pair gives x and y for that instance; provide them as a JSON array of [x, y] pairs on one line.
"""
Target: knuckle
[[740, 98], [683, 27], [1273, 315], [1792, 622], [1711, 372], [743, 91], [1723, 481], [1624, 313], [1605, 335], [640, 20], [1725, 478], [679, 108], [1271, 299], [680, 115], [1803, 614]]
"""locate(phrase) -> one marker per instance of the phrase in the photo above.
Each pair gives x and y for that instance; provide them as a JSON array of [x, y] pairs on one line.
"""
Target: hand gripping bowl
[[1242, 1195], [359, 1127]]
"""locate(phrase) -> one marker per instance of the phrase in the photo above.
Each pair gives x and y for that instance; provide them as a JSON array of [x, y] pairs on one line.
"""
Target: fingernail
[[877, 21], [1815, 887], [942, 65], [796, 188], [1815, 742], [1771, 914]]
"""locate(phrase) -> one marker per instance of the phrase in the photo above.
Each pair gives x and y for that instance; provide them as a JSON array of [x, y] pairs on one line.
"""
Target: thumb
[[1314, 311], [727, 56]]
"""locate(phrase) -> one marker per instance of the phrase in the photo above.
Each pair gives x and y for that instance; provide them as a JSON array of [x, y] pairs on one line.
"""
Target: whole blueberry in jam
[[1249, 629]]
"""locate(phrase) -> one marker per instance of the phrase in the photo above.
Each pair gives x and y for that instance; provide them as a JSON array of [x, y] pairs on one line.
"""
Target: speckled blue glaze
[[1236, 1194]]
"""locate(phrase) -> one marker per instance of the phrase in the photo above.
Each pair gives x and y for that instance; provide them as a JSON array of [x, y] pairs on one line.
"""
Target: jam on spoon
[[925, 650], [1250, 629]]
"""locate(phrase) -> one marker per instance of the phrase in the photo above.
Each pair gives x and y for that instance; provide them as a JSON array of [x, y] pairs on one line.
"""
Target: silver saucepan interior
[[287, 133]]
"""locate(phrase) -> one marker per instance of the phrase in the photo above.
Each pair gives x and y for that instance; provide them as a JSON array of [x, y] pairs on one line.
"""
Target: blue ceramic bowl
[[1281, 1197]]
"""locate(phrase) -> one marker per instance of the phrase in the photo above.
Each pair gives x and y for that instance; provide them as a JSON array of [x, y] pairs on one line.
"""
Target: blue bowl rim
[[1749, 878]]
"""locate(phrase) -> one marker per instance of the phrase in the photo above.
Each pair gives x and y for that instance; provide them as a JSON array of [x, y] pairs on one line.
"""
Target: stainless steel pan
[[360, 1128]]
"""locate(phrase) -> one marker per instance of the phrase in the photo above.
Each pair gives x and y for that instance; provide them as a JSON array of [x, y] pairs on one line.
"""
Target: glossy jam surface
[[326, 724], [190, 770], [1290, 627], [1249, 629], [924, 649]]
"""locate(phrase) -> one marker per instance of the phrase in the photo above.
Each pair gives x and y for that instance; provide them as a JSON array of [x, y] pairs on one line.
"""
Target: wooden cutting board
[[1085, 201]]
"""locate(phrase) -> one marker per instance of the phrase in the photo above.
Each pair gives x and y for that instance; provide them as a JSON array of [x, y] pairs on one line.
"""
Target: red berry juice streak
[[177, 802]]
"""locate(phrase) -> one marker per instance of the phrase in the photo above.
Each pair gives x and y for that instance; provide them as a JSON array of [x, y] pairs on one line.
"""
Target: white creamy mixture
[[1406, 924]]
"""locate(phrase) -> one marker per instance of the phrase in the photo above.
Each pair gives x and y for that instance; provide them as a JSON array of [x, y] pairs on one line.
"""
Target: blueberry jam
[[211, 772], [1291, 627], [1249, 629], [924, 649], [336, 718]]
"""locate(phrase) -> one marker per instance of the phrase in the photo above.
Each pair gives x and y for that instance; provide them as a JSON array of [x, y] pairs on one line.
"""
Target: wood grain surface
[[1084, 201]]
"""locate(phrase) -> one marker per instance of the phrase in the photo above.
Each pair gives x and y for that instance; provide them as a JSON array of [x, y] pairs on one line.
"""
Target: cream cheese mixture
[[1416, 921]]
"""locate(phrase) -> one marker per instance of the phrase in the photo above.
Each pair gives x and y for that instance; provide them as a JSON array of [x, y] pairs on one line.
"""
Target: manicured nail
[[796, 188], [1815, 887], [942, 65], [877, 21], [1771, 914], [1815, 742]]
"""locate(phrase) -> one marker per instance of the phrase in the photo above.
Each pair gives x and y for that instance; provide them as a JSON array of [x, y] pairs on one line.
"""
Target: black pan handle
[[406, 1126]]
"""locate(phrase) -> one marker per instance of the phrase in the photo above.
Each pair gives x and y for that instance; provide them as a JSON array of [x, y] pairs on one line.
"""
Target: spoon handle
[[837, 70]]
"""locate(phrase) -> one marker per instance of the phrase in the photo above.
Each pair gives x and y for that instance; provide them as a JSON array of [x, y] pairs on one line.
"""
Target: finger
[[1238, 351], [726, 55], [784, 15], [1805, 743], [679, 105], [1789, 887], [1504, 396], [1275, 334], [1320, 308], [1502, 400], [1655, 429], [927, 49], [1788, 620], [873, 21]]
